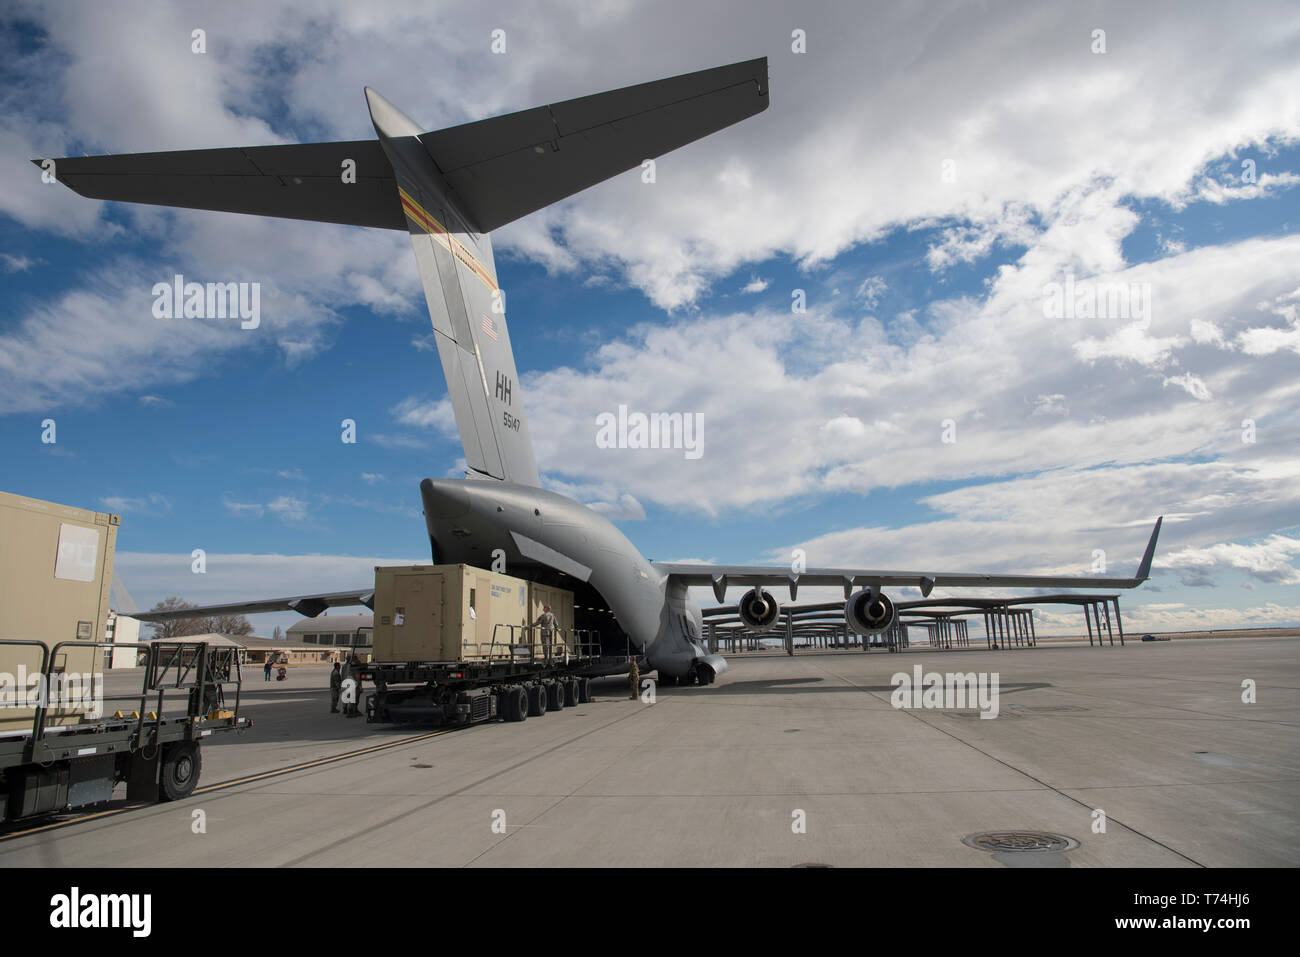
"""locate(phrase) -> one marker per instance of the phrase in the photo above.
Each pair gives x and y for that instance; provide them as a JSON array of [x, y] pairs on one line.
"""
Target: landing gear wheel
[[536, 701], [554, 696], [179, 774], [571, 693], [667, 681], [584, 690]]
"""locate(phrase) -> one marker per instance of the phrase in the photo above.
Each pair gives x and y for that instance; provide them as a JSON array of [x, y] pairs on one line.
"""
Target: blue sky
[[822, 429]]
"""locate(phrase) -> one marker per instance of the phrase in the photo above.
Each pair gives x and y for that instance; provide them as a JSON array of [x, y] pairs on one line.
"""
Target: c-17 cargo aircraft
[[449, 188]]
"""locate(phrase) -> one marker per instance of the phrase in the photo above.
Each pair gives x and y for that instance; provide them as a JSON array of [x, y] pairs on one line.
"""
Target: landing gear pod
[[707, 669], [869, 611], [758, 609]]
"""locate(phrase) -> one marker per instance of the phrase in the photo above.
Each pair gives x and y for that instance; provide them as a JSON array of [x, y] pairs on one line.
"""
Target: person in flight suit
[[353, 710], [546, 621], [336, 688]]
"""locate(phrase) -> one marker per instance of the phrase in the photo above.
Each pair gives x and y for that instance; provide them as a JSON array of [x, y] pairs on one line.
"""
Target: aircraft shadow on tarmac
[[296, 715], [300, 715], [816, 686]]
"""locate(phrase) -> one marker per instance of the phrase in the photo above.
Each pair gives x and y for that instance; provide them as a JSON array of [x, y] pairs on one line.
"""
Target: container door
[[417, 617], [481, 590]]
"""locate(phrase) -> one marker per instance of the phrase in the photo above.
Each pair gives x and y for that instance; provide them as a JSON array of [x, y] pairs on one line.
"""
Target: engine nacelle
[[758, 609], [869, 611]]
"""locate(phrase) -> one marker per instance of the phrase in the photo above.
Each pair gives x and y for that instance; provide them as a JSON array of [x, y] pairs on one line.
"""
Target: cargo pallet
[[51, 768], [525, 674]]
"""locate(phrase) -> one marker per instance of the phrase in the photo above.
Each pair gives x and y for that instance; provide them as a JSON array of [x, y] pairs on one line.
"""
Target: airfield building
[[333, 635]]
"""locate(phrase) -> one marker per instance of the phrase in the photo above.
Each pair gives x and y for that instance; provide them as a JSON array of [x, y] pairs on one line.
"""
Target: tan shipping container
[[56, 569], [445, 612]]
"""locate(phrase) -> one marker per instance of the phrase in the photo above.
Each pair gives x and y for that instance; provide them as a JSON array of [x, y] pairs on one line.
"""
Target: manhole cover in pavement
[[1039, 841]]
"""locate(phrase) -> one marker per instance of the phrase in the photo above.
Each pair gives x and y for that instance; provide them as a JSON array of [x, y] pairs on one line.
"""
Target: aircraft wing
[[722, 576], [308, 605]]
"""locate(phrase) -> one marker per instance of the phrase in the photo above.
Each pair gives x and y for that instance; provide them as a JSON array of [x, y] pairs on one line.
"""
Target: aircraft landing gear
[[699, 674]]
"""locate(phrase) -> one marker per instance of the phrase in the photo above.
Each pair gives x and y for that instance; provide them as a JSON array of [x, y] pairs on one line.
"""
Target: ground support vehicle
[[155, 747], [523, 674]]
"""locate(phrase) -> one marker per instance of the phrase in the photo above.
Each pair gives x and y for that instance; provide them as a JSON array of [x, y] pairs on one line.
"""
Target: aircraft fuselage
[[484, 523]]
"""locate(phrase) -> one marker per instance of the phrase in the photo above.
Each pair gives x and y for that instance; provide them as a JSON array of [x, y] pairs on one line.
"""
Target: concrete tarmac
[[784, 761]]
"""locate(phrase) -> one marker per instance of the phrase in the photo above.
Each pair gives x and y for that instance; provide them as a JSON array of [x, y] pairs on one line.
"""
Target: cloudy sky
[[927, 179]]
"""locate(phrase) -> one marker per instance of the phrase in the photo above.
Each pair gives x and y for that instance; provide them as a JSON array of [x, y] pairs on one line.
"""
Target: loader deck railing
[[537, 645], [199, 670]]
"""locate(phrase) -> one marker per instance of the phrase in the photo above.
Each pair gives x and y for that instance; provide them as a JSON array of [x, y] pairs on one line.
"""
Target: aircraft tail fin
[[457, 184], [466, 306], [448, 188]]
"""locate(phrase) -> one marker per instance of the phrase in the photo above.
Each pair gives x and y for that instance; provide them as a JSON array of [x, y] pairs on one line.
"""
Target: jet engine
[[869, 611], [758, 609]]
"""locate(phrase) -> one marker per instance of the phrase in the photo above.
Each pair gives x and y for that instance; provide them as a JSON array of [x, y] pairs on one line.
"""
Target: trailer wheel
[[584, 690], [181, 765], [536, 701], [571, 693], [516, 703], [554, 696]]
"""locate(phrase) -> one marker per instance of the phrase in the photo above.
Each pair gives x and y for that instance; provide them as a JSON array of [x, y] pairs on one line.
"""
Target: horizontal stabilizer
[[292, 182], [500, 169], [496, 170]]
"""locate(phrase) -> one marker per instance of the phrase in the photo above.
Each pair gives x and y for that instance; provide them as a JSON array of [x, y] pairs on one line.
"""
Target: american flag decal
[[490, 328]]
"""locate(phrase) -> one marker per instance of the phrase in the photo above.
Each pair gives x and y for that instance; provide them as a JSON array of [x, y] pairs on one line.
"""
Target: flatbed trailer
[[49, 768], [523, 675]]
